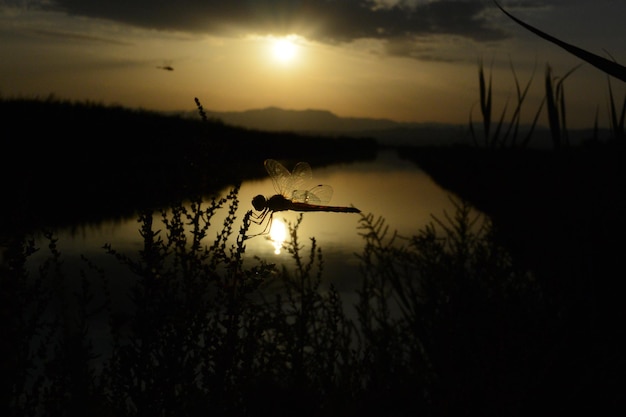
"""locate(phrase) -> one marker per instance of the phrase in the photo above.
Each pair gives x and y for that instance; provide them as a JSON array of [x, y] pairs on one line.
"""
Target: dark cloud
[[76, 37], [322, 20], [422, 50]]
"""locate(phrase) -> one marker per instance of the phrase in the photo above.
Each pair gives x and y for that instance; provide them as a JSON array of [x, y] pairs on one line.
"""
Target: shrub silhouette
[[443, 318]]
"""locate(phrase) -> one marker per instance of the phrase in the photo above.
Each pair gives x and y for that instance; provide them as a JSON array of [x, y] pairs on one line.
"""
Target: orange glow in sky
[[382, 62]]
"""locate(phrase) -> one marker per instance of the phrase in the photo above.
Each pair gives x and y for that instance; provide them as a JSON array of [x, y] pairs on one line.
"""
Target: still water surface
[[388, 186]]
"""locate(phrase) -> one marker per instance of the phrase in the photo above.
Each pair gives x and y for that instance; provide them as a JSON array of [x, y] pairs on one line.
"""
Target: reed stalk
[[616, 117], [504, 134], [605, 65]]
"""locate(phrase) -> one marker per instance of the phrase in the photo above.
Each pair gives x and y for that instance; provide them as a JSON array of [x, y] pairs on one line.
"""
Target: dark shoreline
[[560, 213], [88, 162], [66, 163]]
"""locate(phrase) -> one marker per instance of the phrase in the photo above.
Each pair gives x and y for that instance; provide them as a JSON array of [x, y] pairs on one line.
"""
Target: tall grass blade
[[555, 100], [562, 113], [485, 101], [200, 109], [605, 65], [513, 126], [561, 98], [534, 123], [596, 128], [471, 128], [620, 134], [617, 122], [521, 96], [496, 136], [502, 133], [553, 112]]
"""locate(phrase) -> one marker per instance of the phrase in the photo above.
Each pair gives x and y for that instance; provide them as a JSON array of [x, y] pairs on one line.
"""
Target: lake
[[396, 189]]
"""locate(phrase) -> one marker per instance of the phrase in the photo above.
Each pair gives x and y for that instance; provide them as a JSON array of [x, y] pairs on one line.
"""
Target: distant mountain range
[[323, 122], [385, 131]]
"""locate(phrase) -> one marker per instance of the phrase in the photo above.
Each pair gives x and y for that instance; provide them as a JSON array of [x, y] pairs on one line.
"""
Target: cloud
[[328, 21], [77, 37]]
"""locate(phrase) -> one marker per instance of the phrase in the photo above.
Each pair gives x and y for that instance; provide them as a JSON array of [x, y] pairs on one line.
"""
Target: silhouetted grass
[[554, 94], [616, 116], [445, 324], [557, 211], [506, 133], [607, 66]]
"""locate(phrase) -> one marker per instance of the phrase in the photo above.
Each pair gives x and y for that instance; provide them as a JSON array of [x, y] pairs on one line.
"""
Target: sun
[[285, 49], [278, 234]]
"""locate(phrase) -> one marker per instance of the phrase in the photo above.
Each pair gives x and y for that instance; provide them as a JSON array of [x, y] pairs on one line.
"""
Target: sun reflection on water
[[278, 234]]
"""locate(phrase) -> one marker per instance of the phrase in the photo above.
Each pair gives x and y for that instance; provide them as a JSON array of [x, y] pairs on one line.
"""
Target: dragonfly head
[[259, 202]]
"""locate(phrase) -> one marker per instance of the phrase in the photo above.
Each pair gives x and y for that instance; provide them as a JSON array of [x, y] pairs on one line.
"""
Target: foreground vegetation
[[446, 324]]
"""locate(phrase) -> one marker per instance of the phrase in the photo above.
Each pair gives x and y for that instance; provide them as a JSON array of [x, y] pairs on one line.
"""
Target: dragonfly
[[167, 66], [291, 194]]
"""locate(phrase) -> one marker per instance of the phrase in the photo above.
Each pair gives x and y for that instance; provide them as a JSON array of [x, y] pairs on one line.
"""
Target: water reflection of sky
[[389, 187]]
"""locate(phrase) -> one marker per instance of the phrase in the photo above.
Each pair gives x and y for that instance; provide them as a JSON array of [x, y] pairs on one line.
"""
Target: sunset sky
[[406, 60]]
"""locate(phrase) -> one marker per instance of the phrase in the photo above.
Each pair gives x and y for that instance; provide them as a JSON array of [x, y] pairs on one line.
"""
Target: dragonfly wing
[[300, 176], [320, 194], [281, 177]]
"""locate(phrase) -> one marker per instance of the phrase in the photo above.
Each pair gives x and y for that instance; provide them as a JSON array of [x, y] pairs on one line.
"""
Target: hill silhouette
[[323, 122], [385, 131]]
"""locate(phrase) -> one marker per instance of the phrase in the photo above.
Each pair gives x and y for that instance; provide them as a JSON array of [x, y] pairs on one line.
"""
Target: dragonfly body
[[290, 196], [278, 202]]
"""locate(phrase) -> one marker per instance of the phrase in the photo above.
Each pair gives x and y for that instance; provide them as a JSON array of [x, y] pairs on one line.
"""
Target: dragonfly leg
[[260, 220]]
